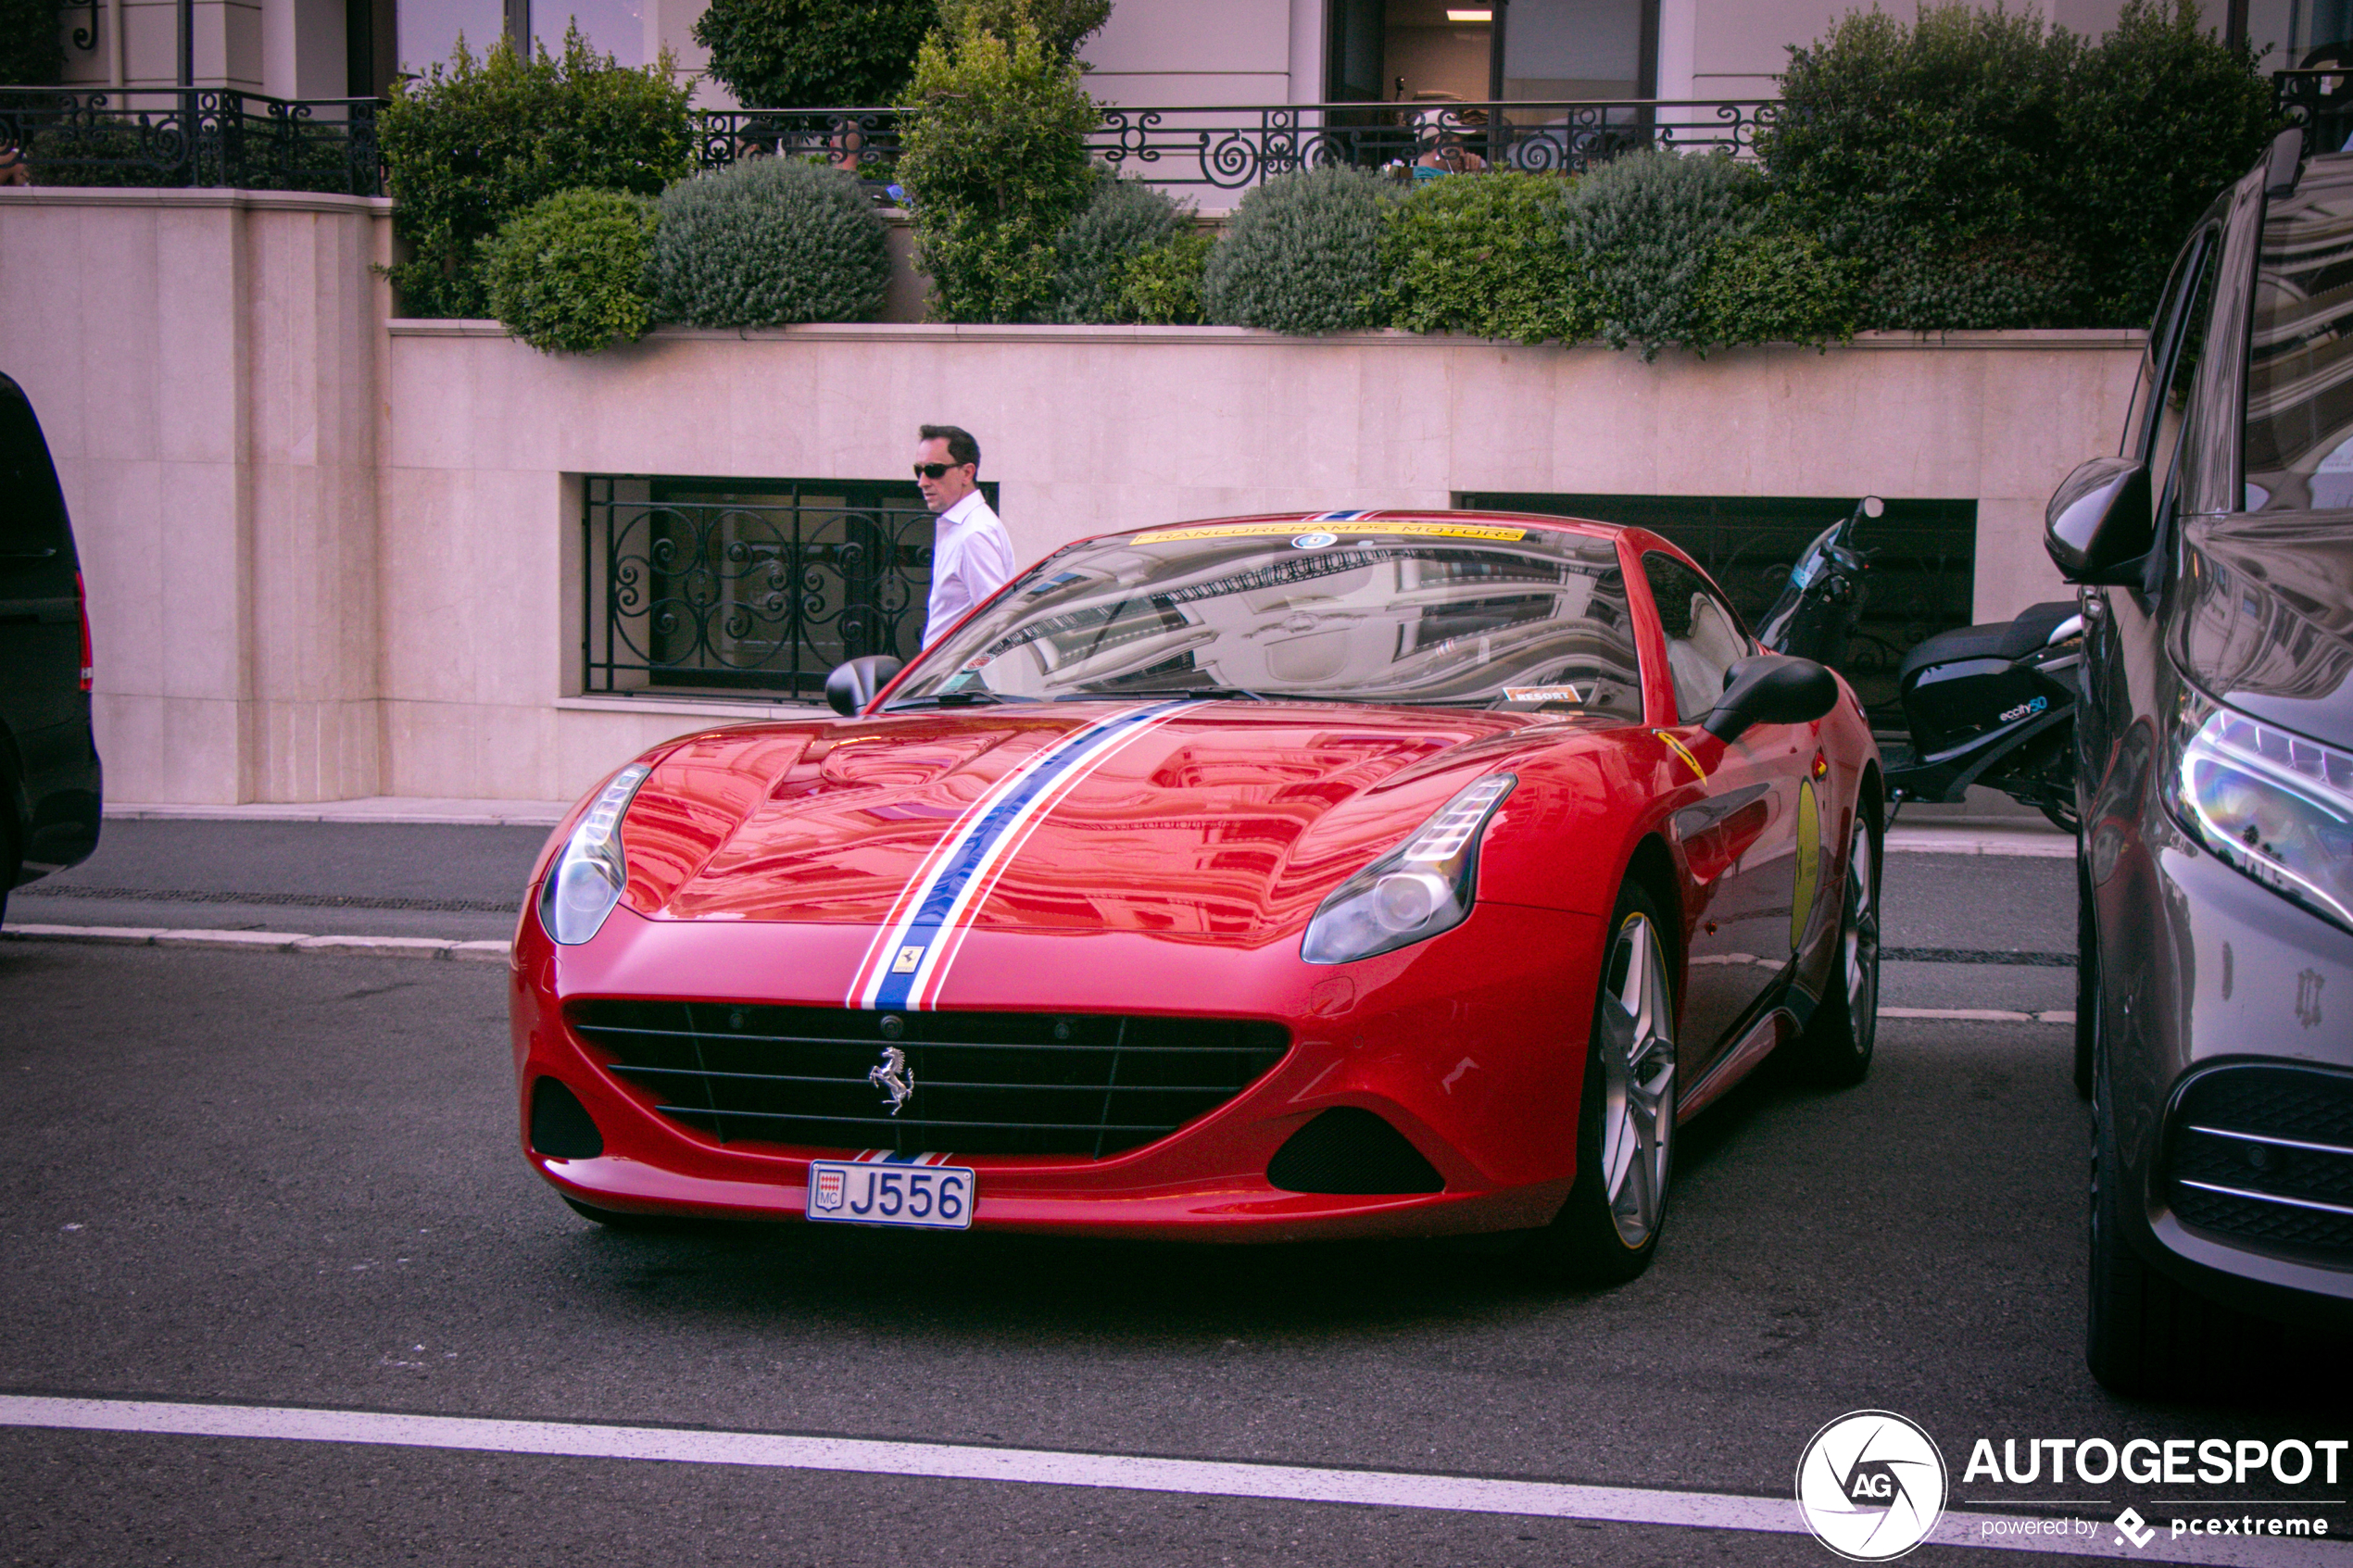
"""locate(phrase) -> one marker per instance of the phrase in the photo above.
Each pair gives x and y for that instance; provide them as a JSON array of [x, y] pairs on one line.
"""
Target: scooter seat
[[2004, 639]]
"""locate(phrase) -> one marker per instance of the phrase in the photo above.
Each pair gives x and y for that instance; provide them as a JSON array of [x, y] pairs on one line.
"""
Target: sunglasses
[[935, 471]]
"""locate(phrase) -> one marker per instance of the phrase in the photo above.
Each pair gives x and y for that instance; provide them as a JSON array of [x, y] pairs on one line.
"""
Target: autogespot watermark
[[1872, 1485]]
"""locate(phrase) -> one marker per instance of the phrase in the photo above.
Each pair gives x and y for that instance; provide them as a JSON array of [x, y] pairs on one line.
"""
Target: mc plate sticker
[[1406, 530], [1541, 694]]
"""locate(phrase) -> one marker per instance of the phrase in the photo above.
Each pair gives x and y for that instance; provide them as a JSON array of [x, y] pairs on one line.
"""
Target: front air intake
[[1347, 1150], [2262, 1156], [1083, 1085], [561, 1126]]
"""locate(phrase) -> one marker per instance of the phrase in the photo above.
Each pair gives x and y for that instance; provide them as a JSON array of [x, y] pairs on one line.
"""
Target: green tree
[[1487, 255], [1063, 25], [994, 165], [470, 144], [797, 53], [33, 53], [2162, 115]]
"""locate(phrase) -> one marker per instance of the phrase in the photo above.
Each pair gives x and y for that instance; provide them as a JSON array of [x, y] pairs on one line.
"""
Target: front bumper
[[1471, 1046], [2225, 1010]]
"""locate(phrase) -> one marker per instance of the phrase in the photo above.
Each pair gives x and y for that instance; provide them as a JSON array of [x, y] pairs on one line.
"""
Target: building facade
[[1153, 52]]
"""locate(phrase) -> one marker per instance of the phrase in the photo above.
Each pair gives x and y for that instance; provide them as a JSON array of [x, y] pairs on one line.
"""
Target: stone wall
[[329, 556]]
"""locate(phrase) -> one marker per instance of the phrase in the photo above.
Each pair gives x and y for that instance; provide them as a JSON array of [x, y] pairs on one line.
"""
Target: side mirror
[[2100, 521], [1771, 689], [853, 685]]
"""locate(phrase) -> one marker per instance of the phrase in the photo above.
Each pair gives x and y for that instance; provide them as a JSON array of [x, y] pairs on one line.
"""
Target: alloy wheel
[[1636, 1041], [1858, 941]]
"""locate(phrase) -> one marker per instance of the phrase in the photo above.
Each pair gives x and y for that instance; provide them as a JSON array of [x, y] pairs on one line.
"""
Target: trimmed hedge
[[1303, 254], [568, 274], [1646, 228], [1983, 170], [471, 143], [1487, 255], [769, 241], [1161, 287]]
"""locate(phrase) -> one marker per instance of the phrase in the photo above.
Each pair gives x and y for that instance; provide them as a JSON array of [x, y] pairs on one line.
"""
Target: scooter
[[1985, 705]]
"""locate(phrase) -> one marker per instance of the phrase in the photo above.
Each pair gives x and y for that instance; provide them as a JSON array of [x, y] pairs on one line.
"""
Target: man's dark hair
[[962, 448]]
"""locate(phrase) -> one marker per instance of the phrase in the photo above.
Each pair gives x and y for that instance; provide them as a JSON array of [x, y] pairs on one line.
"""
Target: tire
[[11, 866], [1607, 1231], [1836, 1048], [2087, 978], [614, 1220], [2144, 1336]]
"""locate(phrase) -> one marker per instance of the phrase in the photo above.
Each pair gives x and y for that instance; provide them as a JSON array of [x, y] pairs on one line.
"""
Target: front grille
[[2263, 1157], [982, 1083]]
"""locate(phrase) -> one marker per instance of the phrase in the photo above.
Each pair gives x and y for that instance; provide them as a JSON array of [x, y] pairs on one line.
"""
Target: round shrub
[[768, 241], [1486, 255], [1302, 255], [1774, 285], [569, 272], [1645, 227], [1121, 218]]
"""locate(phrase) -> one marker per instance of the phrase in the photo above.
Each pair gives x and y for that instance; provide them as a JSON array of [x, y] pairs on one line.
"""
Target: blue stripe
[[925, 929]]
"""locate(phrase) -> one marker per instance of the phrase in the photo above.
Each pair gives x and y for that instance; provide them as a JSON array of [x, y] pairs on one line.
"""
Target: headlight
[[1417, 890], [585, 882], [2275, 805]]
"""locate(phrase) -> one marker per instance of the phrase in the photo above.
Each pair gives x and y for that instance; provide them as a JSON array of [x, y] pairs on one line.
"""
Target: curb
[[266, 942]]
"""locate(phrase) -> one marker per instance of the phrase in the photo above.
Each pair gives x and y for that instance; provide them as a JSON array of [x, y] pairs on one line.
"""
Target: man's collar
[[963, 507]]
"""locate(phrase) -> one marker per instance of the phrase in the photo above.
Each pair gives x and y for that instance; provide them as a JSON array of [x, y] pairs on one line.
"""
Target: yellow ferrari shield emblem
[[1809, 862]]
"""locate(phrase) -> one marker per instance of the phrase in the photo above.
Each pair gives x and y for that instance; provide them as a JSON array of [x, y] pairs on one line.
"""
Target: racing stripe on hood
[[904, 963]]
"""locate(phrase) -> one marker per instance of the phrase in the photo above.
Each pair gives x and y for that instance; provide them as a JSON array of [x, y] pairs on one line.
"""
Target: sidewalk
[[2028, 838]]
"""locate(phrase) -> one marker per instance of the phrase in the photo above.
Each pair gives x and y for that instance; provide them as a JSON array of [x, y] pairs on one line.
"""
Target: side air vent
[[1347, 1150], [561, 1126]]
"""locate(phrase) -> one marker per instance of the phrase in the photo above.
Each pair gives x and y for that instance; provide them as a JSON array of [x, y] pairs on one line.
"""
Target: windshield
[[1457, 613]]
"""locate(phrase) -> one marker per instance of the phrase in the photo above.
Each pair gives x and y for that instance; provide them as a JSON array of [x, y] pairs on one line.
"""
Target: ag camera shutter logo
[[1871, 1486]]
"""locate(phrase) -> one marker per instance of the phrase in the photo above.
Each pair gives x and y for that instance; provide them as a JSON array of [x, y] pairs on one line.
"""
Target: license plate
[[936, 1197]]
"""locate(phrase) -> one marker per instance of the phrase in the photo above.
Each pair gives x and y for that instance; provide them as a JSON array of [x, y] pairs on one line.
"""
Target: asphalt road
[[290, 1180]]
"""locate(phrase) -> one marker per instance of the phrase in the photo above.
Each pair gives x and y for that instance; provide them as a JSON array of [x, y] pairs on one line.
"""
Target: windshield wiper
[[949, 699], [1186, 694]]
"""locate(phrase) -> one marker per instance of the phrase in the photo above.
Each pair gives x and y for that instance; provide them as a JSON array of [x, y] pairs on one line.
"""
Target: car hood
[[1223, 820], [2268, 623]]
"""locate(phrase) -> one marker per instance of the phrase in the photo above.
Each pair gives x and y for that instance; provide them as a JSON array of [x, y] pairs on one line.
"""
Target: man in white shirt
[[971, 557]]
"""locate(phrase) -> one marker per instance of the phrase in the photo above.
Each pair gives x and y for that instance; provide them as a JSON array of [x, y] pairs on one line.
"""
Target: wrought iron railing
[[747, 585], [199, 136], [1228, 149]]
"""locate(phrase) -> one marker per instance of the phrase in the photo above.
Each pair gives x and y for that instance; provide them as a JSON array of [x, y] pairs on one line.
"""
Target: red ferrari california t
[[1362, 874]]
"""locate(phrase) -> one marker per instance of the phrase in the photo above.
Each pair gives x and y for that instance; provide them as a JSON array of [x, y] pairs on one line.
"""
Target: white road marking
[[1047, 1467]]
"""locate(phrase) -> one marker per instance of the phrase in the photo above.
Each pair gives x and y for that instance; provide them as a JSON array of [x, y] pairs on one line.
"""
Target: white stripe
[[918, 989], [942, 954], [1378, 1489], [887, 941]]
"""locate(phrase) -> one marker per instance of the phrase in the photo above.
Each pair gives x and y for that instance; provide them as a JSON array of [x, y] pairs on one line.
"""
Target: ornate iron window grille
[[192, 137], [747, 585], [1922, 579]]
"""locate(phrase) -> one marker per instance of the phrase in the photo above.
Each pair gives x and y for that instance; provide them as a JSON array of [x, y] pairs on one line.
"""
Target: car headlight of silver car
[[585, 882], [1417, 890], [2272, 803]]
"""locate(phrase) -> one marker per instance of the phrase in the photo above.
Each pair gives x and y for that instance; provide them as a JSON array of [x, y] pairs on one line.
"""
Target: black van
[[49, 780]]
